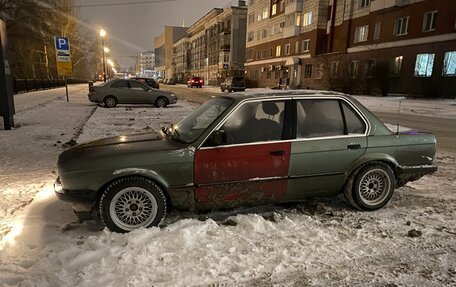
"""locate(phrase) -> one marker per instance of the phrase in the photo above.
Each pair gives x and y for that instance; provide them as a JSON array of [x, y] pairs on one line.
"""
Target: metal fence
[[28, 85]]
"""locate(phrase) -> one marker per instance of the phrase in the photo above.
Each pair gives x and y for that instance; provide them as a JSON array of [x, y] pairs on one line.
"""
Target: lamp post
[[102, 34]]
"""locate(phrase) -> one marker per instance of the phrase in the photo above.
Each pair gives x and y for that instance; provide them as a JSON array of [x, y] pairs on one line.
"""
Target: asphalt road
[[443, 129]]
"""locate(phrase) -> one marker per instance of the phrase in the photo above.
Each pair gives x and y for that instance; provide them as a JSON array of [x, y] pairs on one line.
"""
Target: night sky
[[131, 28]]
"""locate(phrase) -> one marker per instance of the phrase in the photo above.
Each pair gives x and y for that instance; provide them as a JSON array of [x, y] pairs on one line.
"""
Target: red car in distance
[[195, 82]]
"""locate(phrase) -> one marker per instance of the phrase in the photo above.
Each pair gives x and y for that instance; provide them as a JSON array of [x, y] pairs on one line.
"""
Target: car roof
[[267, 93]]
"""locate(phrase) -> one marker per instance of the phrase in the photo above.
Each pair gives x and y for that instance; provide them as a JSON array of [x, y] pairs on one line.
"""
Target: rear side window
[[137, 86], [355, 125], [319, 118], [120, 84]]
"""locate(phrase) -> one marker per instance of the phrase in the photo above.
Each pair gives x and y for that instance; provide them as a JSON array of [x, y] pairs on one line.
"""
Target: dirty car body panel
[[250, 149]]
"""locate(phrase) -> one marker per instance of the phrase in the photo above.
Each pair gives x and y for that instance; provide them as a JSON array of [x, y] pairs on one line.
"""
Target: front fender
[[118, 173]]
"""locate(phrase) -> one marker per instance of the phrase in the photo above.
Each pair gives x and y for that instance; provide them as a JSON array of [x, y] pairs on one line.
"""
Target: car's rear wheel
[[132, 202], [222, 89], [161, 102], [371, 187], [230, 89], [110, 102]]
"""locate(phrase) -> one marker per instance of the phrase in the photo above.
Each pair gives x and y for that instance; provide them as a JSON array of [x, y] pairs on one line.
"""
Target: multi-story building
[[164, 49], [215, 45], [181, 60], [406, 46], [147, 63]]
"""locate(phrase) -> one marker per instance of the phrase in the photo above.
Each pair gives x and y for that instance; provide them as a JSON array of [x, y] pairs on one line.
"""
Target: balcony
[[295, 6], [382, 5], [291, 31]]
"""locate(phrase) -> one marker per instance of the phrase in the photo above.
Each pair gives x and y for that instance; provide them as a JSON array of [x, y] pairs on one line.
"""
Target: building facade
[[215, 45], [147, 63], [357, 46], [163, 45]]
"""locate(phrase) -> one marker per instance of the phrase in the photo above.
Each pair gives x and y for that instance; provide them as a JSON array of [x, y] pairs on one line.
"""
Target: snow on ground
[[321, 242]]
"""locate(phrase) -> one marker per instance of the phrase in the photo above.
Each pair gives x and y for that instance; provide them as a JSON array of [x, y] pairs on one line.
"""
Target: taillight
[[201, 81], [193, 81]]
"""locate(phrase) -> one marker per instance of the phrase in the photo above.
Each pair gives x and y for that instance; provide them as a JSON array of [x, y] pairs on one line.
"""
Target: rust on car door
[[241, 175]]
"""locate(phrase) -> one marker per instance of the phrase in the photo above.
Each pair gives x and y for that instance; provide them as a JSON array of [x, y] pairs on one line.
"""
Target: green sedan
[[120, 91], [244, 149]]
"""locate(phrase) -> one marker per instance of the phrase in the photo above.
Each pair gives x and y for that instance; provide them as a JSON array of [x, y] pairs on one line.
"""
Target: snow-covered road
[[317, 243]]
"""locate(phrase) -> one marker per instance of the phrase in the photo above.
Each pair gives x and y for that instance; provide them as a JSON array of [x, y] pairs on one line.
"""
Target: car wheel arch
[[150, 175], [368, 158]]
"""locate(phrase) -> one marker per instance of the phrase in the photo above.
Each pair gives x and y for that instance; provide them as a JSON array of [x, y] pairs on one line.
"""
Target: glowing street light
[[106, 49], [102, 35]]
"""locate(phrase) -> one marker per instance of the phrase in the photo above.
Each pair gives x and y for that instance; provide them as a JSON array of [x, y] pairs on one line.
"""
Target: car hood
[[120, 145]]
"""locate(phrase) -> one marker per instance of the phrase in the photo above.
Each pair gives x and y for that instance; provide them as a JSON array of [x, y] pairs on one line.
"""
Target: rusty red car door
[[250, 169]]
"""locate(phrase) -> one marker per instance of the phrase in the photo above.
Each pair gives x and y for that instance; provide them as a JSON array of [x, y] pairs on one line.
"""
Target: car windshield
[[193, 126]]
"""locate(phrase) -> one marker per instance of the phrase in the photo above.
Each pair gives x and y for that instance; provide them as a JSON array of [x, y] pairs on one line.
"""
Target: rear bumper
[[416, 169], [411, 173], [92, 98]]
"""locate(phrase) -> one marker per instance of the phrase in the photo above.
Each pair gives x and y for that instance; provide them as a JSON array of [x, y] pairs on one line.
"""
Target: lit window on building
[[265, 14], [307, 19], [361, 34], [449, 64], [298, 20], [397, 66], [278, 50], [424, 65], [274, 9], [429, 21], [297, 47], [305, 45], [401, 26]]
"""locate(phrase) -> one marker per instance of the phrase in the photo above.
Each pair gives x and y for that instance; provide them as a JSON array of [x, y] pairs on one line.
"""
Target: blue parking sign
[[61, 43]]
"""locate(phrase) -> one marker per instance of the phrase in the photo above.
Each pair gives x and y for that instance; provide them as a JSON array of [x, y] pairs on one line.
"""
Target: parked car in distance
[[240, 150], [195, 82], [233, 84], [148, 81], [120, 91]]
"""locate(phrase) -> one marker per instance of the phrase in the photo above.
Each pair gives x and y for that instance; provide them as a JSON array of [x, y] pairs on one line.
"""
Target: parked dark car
[[233, 84], [120, 91], [195, 82], [148, 81], [240, 150]]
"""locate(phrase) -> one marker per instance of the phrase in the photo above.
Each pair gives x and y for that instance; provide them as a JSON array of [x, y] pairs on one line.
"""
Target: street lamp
[[102, 34]]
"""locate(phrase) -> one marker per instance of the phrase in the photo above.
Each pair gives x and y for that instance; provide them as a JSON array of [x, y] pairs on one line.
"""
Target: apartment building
[[359, 46], [215, 45], [163, 45], [147, 63]]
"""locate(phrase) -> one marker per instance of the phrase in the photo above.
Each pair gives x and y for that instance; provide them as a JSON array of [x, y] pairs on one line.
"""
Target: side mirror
[[217, 138]]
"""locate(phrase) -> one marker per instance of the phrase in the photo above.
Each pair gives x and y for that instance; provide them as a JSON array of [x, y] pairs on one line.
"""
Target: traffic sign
[[62, 52]]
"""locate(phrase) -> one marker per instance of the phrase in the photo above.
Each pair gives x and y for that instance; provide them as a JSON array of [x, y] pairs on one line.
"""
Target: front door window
[[255, 122]]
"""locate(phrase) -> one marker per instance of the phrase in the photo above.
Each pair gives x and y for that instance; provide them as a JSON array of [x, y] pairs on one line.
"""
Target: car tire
[[222, 89], [161, 102], [371, 186], [132, 202], [110, 102], [230, 90]]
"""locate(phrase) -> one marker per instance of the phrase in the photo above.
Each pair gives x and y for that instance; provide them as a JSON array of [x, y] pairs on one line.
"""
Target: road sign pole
[[66, 88]]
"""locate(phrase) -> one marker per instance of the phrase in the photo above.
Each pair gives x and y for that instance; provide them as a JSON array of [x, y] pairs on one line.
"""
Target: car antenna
[[398, 117]]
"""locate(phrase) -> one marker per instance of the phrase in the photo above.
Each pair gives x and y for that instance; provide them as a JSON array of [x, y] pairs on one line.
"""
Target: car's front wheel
[[371, 187], [132, 202], [161, 102], [110, 102]]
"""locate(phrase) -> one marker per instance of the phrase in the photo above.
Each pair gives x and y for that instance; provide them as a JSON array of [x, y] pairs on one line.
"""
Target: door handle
[[354, 146], [277, 153]]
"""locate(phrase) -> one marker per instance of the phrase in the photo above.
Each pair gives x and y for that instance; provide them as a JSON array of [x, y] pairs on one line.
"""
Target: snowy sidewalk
[[44, 123]]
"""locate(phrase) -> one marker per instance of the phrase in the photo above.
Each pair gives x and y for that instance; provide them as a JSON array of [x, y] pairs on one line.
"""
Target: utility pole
[[6, 89]]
